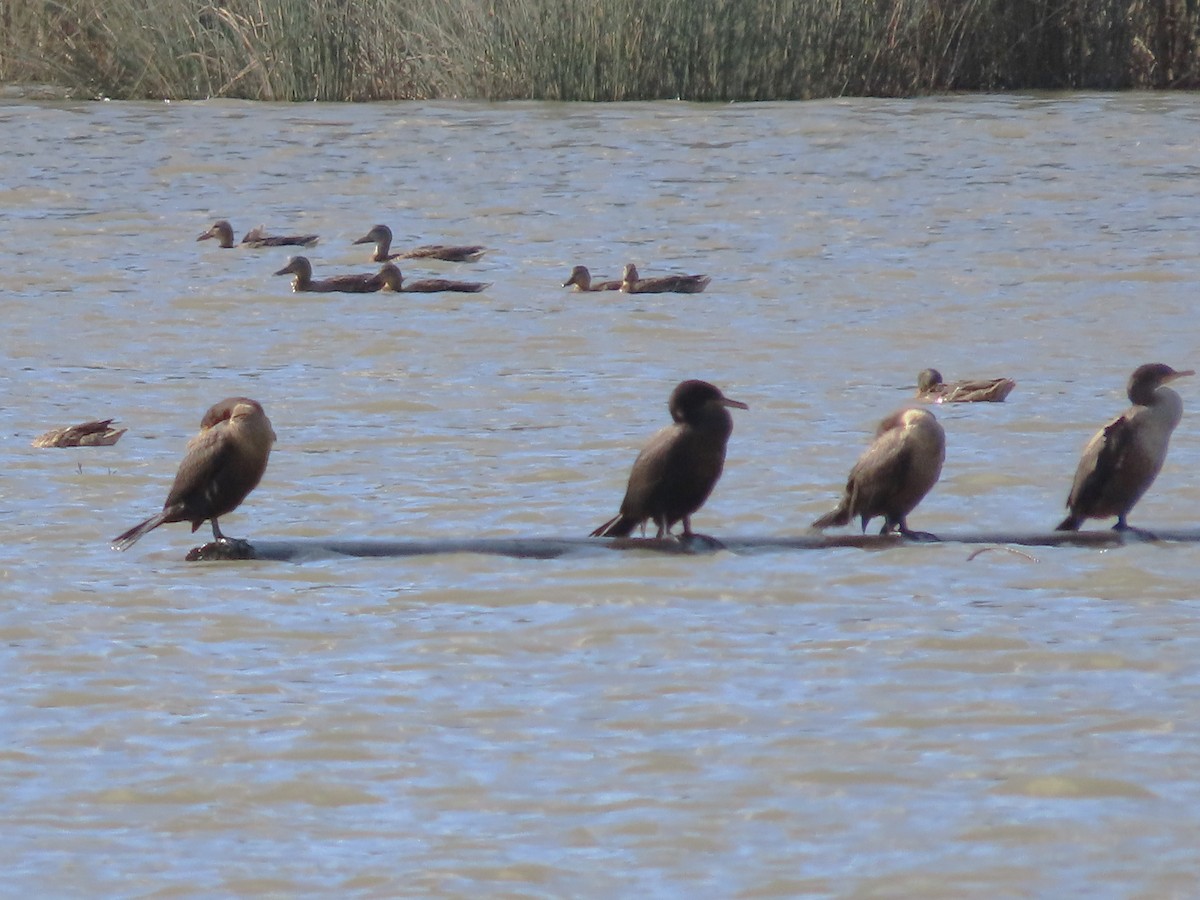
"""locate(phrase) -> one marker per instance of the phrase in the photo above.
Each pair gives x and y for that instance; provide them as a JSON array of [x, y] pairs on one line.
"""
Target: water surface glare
[[899, 723]]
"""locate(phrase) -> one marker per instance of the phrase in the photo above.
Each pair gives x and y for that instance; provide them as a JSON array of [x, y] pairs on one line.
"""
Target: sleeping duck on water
[[932, 389], [97, 433]]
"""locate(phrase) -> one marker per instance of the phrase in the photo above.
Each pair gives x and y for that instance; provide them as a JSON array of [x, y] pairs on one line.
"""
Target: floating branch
[[553, 548]]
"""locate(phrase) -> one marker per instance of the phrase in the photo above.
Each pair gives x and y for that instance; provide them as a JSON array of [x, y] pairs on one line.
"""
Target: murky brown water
[[900, 723]]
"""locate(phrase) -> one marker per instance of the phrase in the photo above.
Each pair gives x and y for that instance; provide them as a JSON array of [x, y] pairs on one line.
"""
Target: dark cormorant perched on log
[[679, 466], [1123, 458], [894, 474], [223, 463]]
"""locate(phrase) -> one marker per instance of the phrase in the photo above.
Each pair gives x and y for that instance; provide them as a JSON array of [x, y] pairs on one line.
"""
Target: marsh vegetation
[[600, 50]]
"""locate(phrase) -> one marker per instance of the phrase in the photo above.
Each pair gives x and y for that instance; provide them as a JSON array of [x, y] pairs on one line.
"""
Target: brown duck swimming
[[932, 389], [894, 474], [581, 278], [632, 283], [223, 232], [98, 433], [221, 466], [302, 281], [1124, 457], [258, 237], [679, 466], [381, 237], [393, 280]]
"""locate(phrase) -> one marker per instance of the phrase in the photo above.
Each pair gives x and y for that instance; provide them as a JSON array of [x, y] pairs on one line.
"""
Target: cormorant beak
[[1175, 375], [736, 404]]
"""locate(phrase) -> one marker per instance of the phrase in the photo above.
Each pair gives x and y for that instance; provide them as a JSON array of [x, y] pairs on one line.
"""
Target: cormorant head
[[692, 398], [1148, 378]]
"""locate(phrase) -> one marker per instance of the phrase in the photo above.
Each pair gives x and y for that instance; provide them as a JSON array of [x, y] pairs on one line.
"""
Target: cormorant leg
[[217, 536], [906, 532], [1125, 528]]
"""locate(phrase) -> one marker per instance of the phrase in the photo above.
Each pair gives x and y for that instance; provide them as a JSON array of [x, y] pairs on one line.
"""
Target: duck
[[258, 237], [393, 280], [97, 433], [223, 232], [581, 278], [932, 389], [381, 237], [632, 283], [893, 475], [680, 465], [221, 465], [1124, 457], [302, 281]]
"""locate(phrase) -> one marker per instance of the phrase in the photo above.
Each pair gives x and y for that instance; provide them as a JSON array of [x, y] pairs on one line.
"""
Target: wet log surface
[[553, 548]]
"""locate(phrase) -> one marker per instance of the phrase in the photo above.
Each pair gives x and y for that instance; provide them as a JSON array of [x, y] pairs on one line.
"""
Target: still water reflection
[[905, 722]]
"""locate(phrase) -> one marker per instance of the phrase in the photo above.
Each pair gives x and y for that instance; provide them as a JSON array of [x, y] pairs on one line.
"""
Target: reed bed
[[599, 50]]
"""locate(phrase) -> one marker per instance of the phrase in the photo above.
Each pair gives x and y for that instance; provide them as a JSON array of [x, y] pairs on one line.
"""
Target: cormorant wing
[[1103, 457], [879, 474], [205, 468]]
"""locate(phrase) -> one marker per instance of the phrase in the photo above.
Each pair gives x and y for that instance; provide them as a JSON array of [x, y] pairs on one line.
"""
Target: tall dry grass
[[593, 49]]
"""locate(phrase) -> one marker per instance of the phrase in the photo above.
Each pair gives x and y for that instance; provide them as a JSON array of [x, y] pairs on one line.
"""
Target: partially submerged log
[[302, 550]]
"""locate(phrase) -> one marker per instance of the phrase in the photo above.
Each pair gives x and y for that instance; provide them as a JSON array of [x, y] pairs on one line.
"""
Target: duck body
[[257, 237], [302, 281], [381, 237], [222, 232], [679, 466], [932, 389], [894, 474], [581, 279], [1124, 457], [222, 464], [97, 433], [632, 283], [393, 280]]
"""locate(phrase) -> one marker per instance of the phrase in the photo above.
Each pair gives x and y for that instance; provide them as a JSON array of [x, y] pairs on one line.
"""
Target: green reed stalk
[[593, 49]]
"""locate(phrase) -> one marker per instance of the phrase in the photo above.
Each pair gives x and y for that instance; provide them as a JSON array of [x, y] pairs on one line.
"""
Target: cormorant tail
[[617, 526], [1070, 523], [840, 516], [130, 537]]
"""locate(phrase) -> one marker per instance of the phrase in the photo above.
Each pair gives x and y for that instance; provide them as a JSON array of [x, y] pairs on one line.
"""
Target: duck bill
[[365, 239], [205, 236], [286, 270]]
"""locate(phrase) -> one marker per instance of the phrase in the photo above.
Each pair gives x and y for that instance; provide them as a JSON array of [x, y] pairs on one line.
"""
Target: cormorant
[[679, 466]]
